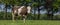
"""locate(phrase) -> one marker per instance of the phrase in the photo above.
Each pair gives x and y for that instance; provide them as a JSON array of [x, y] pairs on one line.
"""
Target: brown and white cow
[[21, 11]]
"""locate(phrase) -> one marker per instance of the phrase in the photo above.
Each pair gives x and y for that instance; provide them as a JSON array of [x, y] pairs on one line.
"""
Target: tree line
[[51, 6], [29, 17]]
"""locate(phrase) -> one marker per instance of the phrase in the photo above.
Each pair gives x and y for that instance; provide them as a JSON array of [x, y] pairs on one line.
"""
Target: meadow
[[30, 22]]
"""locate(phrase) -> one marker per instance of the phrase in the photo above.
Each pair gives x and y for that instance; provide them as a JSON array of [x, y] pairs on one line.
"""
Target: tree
[[49, 9]]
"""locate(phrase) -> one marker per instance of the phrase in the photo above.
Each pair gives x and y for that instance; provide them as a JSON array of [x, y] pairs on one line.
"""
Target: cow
[[22, 11]]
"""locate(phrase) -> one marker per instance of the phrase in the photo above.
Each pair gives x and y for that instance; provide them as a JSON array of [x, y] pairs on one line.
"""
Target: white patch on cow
[[29, 8], [15, 11], [19, 10]]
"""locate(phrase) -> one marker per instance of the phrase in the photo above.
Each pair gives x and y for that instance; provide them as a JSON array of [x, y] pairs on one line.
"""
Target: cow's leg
[[13, 17], [24, 18]]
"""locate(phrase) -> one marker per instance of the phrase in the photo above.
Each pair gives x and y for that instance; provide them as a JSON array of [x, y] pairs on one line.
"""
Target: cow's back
[[24, 11]]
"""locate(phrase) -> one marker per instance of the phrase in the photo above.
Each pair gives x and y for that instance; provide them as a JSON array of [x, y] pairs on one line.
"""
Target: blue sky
[[2, 8]]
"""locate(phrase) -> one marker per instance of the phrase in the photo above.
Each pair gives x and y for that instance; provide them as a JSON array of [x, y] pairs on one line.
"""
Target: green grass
[[30, 22]]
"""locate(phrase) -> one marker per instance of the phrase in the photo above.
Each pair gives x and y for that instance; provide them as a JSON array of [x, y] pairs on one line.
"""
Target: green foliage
[[56, 17], [28, 1], [1, 15], [18, 2], [35, 4], [9, 16], [29, 17], [0, 1], [15, 2], [56, 4]]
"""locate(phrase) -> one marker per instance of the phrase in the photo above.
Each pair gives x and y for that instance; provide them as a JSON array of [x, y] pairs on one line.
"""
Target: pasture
[[30, 22]]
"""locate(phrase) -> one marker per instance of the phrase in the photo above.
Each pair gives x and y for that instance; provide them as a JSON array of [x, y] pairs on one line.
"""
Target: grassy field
[[30, 22]]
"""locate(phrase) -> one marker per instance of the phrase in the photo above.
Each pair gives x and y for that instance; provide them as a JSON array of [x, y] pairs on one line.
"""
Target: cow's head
[[29, 9]]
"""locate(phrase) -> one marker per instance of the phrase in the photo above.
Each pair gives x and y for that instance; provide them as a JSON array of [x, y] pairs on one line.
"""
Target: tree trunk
[[5, 15], [38, 13], [49, 9], [39, 9], [34, 12]]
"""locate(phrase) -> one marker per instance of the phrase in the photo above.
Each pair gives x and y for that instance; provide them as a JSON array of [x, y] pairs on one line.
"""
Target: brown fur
[[23, 12]]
